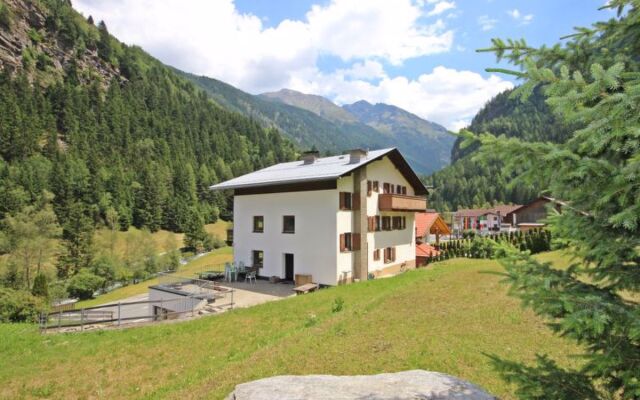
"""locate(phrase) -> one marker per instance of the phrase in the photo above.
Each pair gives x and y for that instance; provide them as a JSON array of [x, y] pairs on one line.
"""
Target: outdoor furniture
[[250, 275], [228, 272], [306, 288]]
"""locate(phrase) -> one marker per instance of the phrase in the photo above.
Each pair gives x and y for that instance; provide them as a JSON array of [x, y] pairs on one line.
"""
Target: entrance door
[[288, 267]]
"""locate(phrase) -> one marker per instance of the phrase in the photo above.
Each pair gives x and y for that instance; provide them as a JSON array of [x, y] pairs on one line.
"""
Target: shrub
[[482, 248], [338, 305], [105, 268], [19, 306], [84, 284], [6, 16], [40, 286]]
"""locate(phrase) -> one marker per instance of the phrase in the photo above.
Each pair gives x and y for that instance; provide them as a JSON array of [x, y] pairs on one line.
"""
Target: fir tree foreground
[[593, 82]]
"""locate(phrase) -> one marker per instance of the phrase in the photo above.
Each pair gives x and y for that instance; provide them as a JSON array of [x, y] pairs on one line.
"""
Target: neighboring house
[[337, 218], [430, 226], [532, 215], [484, 220], [425, 251]]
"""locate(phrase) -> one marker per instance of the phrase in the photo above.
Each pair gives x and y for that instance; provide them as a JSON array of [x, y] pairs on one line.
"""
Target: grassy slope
[[443, 319]]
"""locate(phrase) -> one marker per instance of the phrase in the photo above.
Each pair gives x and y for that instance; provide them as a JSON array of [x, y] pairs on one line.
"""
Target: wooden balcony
[[401, 202]]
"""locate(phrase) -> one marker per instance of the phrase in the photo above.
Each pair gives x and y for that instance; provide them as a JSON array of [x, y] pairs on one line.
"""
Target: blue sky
[[416, 54]]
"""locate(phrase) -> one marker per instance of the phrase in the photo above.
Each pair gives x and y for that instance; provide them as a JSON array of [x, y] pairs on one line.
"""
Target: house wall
[[319, 223], [314, 243], [403, 240]]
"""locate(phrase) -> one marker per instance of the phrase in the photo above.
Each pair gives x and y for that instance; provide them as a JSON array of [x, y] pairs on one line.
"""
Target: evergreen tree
[[77, 235], [593, 83], [40, 286]]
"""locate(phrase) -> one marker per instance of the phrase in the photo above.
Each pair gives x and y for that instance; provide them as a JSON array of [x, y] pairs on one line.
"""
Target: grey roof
[[296, 171]]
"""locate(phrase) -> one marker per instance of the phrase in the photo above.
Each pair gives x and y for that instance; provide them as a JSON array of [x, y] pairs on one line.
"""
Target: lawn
[[444, 318], [209, 261]]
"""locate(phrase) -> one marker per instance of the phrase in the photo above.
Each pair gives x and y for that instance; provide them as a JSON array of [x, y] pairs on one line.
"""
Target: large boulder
[[407, 385]]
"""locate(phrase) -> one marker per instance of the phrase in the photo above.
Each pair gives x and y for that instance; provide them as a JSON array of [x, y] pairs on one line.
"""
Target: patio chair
[[250, 275], [227, 272]]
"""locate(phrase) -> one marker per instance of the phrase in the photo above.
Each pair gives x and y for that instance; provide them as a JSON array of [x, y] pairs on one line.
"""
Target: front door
[[288, 267]]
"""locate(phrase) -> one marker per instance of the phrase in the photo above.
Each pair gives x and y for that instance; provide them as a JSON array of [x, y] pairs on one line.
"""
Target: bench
[[306, 288]]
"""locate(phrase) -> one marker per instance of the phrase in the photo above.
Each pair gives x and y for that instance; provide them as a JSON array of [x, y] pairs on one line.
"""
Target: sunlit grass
[[444, 318]]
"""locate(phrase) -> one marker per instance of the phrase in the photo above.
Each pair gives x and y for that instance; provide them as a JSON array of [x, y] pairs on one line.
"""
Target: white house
[[336, 218]]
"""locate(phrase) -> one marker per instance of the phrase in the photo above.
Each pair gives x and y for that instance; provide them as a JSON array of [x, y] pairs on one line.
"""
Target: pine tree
[[40, 286], [591, 82]]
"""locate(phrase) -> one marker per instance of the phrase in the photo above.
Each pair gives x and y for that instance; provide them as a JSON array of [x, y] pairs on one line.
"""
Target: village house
[[338, 219], [429, 227], [484, 221], [531, 216]]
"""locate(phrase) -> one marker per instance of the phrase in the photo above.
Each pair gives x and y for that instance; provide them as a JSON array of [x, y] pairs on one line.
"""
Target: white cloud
[[213, 38], [441, 7], [447, 96], [518, 16], [486, 23]]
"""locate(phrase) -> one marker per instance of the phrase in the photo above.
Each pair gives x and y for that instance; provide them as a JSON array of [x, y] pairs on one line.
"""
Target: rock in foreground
[[407, 385]]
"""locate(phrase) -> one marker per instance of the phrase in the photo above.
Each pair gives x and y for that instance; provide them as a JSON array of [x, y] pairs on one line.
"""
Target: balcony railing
[[401, 202]]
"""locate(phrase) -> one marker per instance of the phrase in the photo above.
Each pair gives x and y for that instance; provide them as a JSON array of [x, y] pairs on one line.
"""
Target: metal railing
[[191, 296]]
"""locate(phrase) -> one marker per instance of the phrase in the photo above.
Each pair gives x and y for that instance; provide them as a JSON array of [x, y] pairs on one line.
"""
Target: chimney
[[309, 157], [357, 155]]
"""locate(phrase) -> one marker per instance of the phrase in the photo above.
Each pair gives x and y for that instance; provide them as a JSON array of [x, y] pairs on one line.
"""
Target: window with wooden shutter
[[355, 201], [346, 202], [342, 243], [376, 187], [376, 255], [355, 241], [369, 188], [398, 189], [386, 223], [386, 188], [387, 254], [404, 190]]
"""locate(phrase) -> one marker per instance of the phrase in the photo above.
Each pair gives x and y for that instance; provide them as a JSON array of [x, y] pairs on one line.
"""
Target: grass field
[[442, 319], [209, 261]]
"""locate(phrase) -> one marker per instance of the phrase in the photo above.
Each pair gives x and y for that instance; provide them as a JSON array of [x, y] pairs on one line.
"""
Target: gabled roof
[[322, 169], [430, 222], [426, 250]]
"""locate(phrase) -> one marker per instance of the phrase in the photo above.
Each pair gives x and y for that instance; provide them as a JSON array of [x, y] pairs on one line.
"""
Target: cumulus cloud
[[215, 39], [486, 23], [448, 96], [441, 7], [518, 16]]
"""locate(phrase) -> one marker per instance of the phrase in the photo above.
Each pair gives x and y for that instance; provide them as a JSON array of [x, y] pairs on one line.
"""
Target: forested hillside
[[466, 183], [302, 126], [96, 133]]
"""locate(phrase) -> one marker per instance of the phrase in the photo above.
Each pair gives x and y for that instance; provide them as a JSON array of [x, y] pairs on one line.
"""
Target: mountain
[[468, 183], [424, 143], [305, 128], [108, 134], [316, 104]]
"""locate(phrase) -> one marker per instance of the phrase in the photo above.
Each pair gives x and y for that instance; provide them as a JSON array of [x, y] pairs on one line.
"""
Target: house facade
[[337, 218], [484, 221]]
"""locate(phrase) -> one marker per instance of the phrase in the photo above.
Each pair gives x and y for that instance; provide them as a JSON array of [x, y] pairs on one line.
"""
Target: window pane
[[288, 224], [258, 224]]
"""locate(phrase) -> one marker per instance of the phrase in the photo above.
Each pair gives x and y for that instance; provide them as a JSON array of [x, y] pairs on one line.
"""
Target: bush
[[213, 242], [40, 286], [19, 306], [338, 305], [482, 248], [84, 284], [105, 268], [6, 16]]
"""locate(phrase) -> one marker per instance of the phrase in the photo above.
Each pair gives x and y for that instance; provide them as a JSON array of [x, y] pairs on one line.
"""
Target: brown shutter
[[355, 201], [342, 242], [393, 254], [371, 223], [355, 241], [341, 195], [369, 188]]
